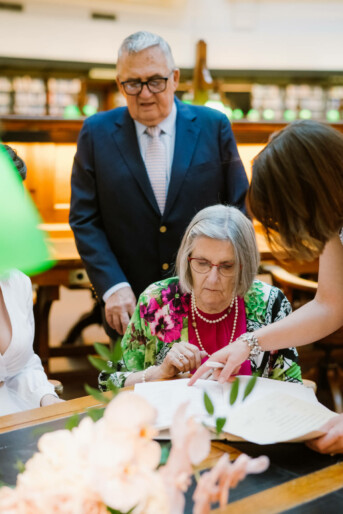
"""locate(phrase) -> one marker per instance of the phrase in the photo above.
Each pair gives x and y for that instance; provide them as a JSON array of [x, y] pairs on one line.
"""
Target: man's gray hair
[[226, 224], [140, 41]]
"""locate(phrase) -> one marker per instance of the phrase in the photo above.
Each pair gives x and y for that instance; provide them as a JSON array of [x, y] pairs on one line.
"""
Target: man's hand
[[119, 308]]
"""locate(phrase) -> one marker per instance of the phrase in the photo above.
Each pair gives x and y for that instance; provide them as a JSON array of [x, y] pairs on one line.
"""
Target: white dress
[[23, 381]]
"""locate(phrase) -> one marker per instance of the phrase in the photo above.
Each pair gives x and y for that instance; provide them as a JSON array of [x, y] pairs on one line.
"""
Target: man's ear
[[176, 77], [120, 87]]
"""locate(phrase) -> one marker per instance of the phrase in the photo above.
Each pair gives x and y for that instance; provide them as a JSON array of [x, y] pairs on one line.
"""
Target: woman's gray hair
[[226, 224], [140, 41]]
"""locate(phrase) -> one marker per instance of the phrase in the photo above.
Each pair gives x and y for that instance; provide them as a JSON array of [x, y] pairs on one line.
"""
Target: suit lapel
[[126, 140], [186, 136]]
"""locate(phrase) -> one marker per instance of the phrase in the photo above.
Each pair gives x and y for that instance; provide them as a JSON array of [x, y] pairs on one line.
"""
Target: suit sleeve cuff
[[114, 289]]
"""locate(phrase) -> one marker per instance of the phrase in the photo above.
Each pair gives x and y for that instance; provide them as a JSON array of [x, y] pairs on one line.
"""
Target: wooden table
[[311, 483], [68, 271]]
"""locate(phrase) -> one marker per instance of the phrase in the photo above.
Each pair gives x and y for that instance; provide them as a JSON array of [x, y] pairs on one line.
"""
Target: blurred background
[[268, 59], [262, 62]]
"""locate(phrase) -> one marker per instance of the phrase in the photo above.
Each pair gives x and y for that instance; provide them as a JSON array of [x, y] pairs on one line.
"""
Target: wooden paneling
[[48, 146]]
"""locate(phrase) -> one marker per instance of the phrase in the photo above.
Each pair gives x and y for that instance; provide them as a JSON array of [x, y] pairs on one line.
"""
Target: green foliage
[[249, 387], [73, 421], [208, 404], [98, 395], [220, 422], [20, 466], [103, 351], [117, 352], [95, 414], [165, 450], [234, 391], [115, 511], [100, 364]]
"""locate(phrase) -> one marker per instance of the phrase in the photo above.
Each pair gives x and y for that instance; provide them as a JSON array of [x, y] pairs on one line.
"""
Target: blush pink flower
[[9, 500], [214, 485], [190, 445]]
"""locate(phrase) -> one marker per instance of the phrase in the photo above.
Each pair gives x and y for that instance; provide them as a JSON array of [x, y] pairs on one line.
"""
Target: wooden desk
[[68, 271], [296, 475]]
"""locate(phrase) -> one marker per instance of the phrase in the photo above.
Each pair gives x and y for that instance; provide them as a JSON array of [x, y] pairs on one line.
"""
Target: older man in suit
[[140, 174]]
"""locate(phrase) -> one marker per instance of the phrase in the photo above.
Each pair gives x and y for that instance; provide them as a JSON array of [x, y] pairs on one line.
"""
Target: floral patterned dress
[[161, 319]]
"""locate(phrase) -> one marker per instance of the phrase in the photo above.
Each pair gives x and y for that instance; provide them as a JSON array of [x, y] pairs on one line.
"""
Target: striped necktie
[[156, 165]]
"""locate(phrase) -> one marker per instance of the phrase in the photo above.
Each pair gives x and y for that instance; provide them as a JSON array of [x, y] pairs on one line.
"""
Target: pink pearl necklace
[[196, 312]]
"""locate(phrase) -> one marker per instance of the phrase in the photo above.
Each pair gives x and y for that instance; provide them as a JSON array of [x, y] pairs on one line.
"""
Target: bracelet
[[254, 346], [144, 373]]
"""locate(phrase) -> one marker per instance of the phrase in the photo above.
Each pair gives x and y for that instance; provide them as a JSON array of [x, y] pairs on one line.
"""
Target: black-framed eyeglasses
[[155, 85], [204, 266]]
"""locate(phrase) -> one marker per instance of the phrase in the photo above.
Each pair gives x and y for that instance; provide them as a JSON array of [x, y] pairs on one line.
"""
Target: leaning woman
[[179, 322]]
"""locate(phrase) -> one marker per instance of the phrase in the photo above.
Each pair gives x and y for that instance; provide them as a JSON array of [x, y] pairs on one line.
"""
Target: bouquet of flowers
[[113, 465]]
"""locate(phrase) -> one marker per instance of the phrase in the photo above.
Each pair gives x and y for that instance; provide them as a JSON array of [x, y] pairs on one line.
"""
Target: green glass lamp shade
[[332, 115], [215, 104], [289, 115], [71, 111], [23, 245], [268, 114], [305, 114], [253, 115], [237, 114], [89, 110]]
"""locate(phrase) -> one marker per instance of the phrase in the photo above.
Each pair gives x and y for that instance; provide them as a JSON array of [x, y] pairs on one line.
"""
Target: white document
[[274, 412]]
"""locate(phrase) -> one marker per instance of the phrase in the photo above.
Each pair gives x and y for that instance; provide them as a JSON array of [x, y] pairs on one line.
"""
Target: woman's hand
[[49, 399], [181, 357], [332, 441], [231, 356]]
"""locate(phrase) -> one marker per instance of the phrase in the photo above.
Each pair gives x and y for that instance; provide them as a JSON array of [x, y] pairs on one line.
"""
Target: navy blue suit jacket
[[114, 213]]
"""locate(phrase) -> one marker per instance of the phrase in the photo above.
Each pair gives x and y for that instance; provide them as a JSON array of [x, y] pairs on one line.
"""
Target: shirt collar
[[167, 125]]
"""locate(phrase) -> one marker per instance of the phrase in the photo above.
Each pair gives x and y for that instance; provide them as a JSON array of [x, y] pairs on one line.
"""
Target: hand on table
[[182, 357], [332, 441], [119, 308], [231, 356]]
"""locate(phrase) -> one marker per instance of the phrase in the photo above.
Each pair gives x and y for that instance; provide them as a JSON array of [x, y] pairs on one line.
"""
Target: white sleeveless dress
[[23, 381]]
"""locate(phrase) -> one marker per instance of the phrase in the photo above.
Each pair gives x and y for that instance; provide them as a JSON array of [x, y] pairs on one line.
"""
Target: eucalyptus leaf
[[208, 404], [20, 466], [220, 422], [115, 511], [112, 387], [117, 352], [165, 450], [98, 395], [100, 364], [95, 414], [234, 391], [103, 351], [249, 387], [72, 422]]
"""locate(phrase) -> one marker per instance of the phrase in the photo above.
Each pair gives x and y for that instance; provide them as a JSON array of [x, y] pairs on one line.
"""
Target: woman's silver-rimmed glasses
[[155, 85], [204, 266]]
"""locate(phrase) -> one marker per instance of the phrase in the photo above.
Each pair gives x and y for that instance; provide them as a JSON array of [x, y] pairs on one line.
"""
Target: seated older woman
[[179, 322]]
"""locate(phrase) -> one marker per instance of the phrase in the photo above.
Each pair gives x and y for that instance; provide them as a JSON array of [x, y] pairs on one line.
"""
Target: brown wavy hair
[[296, 190]]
